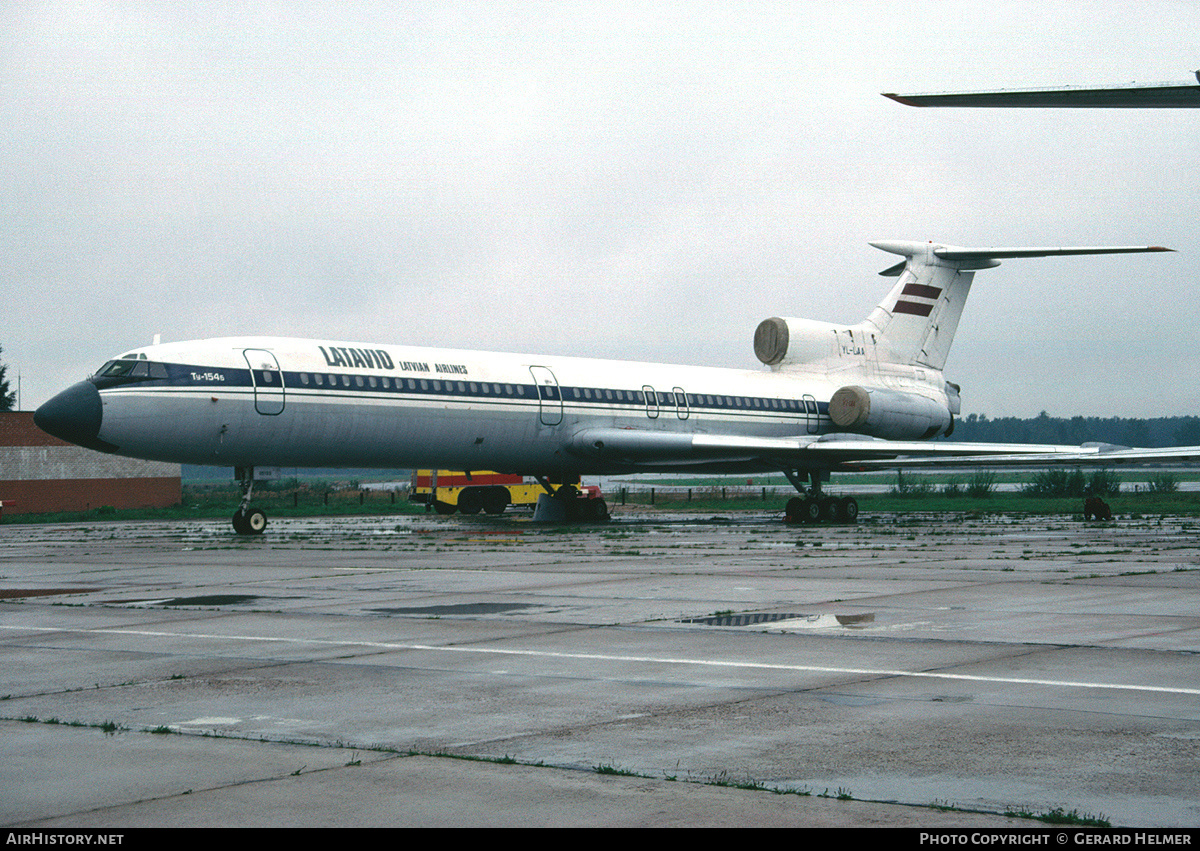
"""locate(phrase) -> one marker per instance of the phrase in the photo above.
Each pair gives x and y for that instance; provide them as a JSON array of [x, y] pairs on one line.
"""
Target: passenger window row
[[421, 385], [137, 369], [550, 392]]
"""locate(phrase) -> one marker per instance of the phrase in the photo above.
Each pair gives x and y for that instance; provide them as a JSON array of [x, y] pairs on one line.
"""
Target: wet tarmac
[[661, 669]]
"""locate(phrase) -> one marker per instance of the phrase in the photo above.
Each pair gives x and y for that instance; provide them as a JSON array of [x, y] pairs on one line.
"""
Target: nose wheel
[[250, 522], [247, 520]]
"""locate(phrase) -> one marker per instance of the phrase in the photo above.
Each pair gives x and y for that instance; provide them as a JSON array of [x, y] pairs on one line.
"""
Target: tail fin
[[915, 323]]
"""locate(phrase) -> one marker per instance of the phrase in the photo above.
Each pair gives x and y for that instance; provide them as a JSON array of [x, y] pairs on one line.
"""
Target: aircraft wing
[[642, 446], [1033, 455], [848, 452], [1159, 96]]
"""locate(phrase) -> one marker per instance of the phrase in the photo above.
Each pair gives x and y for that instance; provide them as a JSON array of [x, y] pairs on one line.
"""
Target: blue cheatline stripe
[[339, 383]]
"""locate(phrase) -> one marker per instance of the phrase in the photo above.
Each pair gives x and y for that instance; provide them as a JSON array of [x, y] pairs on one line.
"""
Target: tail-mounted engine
[[782, 341], [890, 414]]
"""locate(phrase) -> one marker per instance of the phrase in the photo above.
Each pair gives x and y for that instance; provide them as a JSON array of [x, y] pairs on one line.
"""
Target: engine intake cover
[[890, 414], [771, 340], [850, 407]]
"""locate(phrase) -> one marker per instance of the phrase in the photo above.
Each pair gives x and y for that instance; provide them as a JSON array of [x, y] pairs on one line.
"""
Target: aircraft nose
[[74, 415]]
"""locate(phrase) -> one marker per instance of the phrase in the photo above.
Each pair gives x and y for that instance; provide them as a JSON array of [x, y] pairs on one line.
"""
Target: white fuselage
[[259, 401]]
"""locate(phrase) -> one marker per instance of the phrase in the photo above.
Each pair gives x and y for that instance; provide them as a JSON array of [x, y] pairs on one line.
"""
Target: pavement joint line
[[602, 657]]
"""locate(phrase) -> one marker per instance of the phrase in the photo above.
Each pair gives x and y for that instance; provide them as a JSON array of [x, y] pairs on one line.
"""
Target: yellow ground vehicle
[[480, 490]]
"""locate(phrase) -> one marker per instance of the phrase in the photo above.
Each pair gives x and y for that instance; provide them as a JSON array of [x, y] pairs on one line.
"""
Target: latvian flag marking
[[917, 308]]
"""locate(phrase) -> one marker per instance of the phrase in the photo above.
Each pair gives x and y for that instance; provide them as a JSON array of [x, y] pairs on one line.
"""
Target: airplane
[[1156, 96], [833, 398]]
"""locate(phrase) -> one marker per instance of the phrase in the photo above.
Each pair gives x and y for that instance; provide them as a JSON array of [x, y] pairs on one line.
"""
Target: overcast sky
[[633, 180]]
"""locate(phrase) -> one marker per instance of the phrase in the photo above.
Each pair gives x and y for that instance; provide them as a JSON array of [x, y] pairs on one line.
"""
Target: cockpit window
[[132, 368], [116, 368]]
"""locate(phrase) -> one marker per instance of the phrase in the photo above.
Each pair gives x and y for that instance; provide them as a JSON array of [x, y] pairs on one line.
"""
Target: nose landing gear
[[247, 520]]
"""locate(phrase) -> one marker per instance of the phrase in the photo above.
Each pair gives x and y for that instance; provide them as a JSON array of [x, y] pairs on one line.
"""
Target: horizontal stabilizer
[[948, 253], [982, 258]]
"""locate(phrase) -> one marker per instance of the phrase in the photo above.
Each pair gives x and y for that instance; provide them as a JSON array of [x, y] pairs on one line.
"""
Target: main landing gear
[[566, 503], [247, 520], [491, 500], [815, 507]]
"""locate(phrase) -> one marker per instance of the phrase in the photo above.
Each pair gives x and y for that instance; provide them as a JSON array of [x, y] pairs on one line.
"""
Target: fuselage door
[[651, 401], [550, 408], [810, 413], [267, 378], [681, 403]]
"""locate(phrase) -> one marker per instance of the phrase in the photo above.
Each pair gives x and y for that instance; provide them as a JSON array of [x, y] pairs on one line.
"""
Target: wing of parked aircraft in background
[[1156, 96]]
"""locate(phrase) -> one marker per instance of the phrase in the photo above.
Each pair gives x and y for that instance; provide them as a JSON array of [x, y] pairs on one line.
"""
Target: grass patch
[[1060, 816], [613, 770], [219, 502], [750, 785], [934, 494]]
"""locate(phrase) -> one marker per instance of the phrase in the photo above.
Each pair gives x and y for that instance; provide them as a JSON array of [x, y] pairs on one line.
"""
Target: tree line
[[7, 398], [1149, 433]]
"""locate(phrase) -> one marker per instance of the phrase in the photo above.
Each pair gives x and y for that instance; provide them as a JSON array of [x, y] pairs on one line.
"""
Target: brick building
[[40, 473]]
